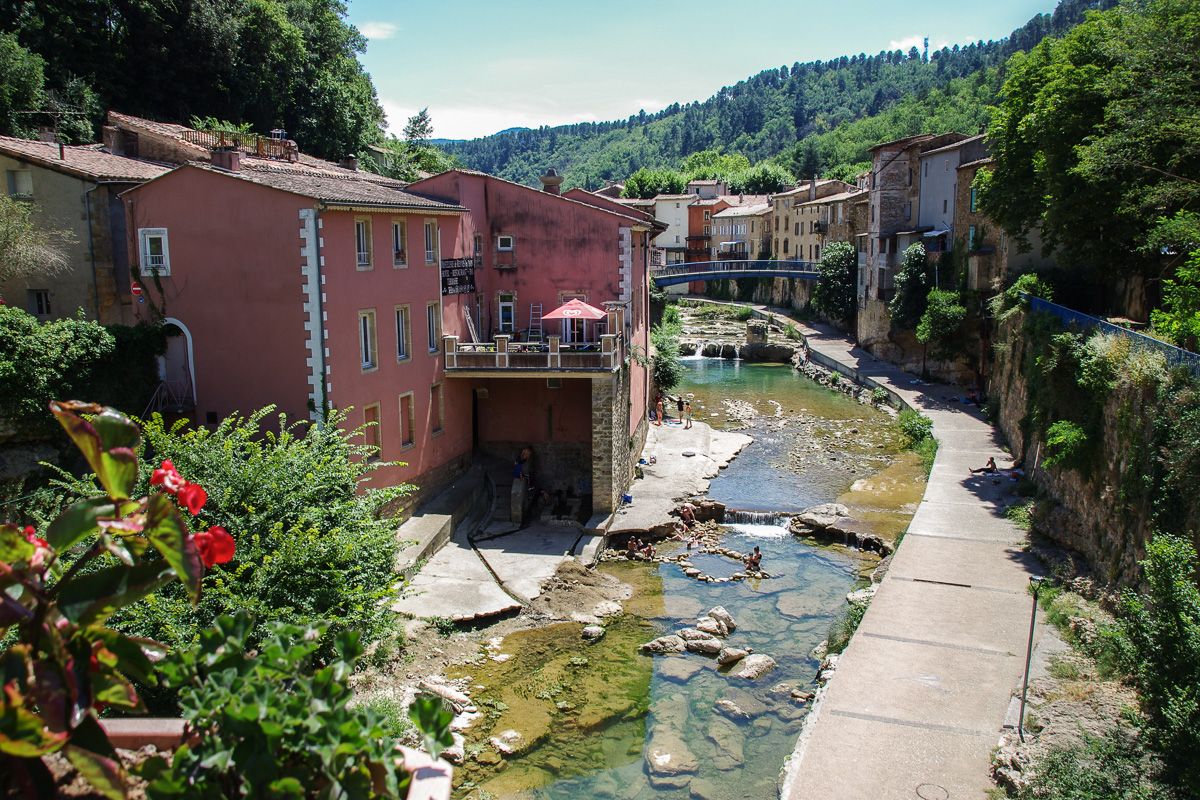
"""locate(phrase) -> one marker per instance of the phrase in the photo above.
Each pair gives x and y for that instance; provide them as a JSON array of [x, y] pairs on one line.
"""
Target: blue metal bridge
[[673, 274]]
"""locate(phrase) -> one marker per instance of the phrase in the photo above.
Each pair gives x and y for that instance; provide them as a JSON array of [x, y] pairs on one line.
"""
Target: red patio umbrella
[[576, 309]]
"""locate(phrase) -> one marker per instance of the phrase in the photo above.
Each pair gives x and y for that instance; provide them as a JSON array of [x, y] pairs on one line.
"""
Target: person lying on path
[[988, 468]]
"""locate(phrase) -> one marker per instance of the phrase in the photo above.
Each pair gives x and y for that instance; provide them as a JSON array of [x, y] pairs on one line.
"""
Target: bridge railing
[[793, 268]]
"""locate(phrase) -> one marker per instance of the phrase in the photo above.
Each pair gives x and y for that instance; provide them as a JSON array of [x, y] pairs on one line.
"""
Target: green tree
[[834, 294], [762, 178], [1179, 318], [912, 285], [940, 323], [1163, 631], [646, 183], [419, 128], [712, 164], [22, 81]]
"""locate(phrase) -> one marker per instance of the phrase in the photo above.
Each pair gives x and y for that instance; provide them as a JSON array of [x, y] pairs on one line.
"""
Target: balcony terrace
[[553, 358]]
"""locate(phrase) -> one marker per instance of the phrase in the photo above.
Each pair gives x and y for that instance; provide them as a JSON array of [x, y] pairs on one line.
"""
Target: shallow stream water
[[589, 713]]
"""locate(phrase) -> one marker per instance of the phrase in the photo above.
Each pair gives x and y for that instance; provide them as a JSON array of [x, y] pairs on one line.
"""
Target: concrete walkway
[[674, 475], [920, 696]]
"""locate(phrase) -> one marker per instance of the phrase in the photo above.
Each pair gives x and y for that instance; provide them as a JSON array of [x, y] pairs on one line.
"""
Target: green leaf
[[78, 521], [103, 773], [286, 787], [432, 718], [133, 656], [116, 430], [120, 471], [169, 534], [14, 547], [108, 442], [22, 733], [93, 597]]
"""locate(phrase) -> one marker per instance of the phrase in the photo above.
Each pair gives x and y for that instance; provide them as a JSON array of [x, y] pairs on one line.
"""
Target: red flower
[[193, 497], [216, 546], [32, 537], [167, 477]]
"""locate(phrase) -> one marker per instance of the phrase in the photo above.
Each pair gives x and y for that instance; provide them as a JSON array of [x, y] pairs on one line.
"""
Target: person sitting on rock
[[632, 547], [648, 551], [754, 560], [988, 468], [687, 512]]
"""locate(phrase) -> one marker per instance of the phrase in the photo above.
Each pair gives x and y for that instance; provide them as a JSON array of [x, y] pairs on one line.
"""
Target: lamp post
[[1035, 586]]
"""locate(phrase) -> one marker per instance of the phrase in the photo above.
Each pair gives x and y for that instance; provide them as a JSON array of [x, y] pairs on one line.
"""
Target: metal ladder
[[471, 325], [535, 322]]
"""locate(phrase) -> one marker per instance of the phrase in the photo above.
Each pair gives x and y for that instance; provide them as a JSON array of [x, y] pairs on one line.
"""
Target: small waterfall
[[778, 519]]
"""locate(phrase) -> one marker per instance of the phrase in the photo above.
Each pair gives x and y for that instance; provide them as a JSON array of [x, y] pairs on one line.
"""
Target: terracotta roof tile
[[85, 161]]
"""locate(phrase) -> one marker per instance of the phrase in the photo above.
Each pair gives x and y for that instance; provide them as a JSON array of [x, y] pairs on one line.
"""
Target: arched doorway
[[176, 367]]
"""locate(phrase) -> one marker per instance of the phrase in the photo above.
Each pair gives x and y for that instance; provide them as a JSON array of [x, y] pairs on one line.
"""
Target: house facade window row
[[368, 341], [364, 243]]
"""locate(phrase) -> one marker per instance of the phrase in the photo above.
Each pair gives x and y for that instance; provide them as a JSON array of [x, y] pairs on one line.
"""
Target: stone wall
[[900, 347], [1085, 511]]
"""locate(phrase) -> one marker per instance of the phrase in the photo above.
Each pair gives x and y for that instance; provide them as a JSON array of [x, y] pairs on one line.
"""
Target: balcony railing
[[250, 143], [505, 355]]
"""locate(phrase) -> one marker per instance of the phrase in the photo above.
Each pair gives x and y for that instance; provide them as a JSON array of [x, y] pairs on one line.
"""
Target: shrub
[[914, 425], [1011, 300], [1163, 656], [834, 294], [1113, 767], [1066, 444], [879, 396], [912, 286], [941, 321], [843, 627], [278, 723], [313, 547], [665, 369], [61, 662]]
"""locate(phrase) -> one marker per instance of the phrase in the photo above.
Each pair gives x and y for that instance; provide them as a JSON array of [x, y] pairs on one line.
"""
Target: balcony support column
[[554, 357], [502, 340]]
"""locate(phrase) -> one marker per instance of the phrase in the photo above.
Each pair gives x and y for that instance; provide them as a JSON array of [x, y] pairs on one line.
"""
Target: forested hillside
[[791, 113], [290, 64]]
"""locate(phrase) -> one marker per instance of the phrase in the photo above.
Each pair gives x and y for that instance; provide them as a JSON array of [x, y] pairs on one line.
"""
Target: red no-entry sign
[[135, 288]]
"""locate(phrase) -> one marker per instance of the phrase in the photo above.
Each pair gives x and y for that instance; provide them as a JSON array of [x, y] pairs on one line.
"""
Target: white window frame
[[403, 319], [144, 257], [431, 241], [399, 243], [506, 248], [511, 305], [433, 325], [362, 238], [368, 342]]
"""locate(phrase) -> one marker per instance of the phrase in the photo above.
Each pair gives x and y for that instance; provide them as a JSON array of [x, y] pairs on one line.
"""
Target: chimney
[[47, 135], [349, 162], [551, 181], [227, 158], [111, 136], [812, 188]]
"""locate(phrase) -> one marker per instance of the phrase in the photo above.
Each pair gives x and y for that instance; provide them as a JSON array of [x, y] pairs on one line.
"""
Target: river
[[590, 714]]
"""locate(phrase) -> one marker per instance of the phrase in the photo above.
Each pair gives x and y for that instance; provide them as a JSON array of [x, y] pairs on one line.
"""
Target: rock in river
[[709, 647], [680, 670], [754, 667], [730, 709], [668, 760], [712, 627], [593, 633], [731, 655], [721, 615], [822, 516], [664, 645]]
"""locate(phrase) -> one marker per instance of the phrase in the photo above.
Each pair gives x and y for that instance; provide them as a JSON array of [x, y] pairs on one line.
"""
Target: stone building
[[75, 189], [789, 223]]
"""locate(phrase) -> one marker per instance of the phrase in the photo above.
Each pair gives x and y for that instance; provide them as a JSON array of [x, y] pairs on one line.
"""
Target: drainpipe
[[320, 354]]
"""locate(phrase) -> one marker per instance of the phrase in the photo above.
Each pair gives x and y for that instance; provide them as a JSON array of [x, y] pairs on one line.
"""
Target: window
[[371, 430], [362, 243], [433, 325], [974, 201], [431, 242], [477, 247], [777, 224], [155, 255], [403, 334], [677, 205], [505, 243], [39, 302], [20, 183], [817, 253], [708, 230], [786, 247], [707, 216], [507, 313], [908, 210], [366, 339], [945, 202], [926, 169], [408, 421], [437, 409], [797, 231], [677, 238], [971, 238], [399, 243]]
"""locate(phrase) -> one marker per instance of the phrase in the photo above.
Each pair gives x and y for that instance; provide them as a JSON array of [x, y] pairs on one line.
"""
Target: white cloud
[[377, 31], [907, 43], [649, 104]]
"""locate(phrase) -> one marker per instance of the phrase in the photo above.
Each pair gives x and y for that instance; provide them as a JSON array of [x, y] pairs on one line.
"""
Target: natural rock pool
[[599, 719]]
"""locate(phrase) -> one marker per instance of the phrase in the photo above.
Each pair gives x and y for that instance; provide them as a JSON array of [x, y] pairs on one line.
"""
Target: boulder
[[608, 608], [679, 670], [691, 572], [689, 634], [709, 647], [712, 627], [754, 666], [729, 351], [728, 742], [731, 655], [710, 511], [745, 701], [508, 742], [731, 710], [822, 516], [593, 633], [669, 762], [721, 615], [770, 353], [861, 597], [664, 644]]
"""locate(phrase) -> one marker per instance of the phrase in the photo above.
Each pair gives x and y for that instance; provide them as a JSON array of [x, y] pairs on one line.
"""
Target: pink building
[[571, 390], [307, 289]]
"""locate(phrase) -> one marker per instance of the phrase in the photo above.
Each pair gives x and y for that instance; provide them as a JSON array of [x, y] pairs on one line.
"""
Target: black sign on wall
[[458, 276]]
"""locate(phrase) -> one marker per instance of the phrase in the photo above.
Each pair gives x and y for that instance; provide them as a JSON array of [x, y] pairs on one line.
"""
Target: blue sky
[[482, 66]]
